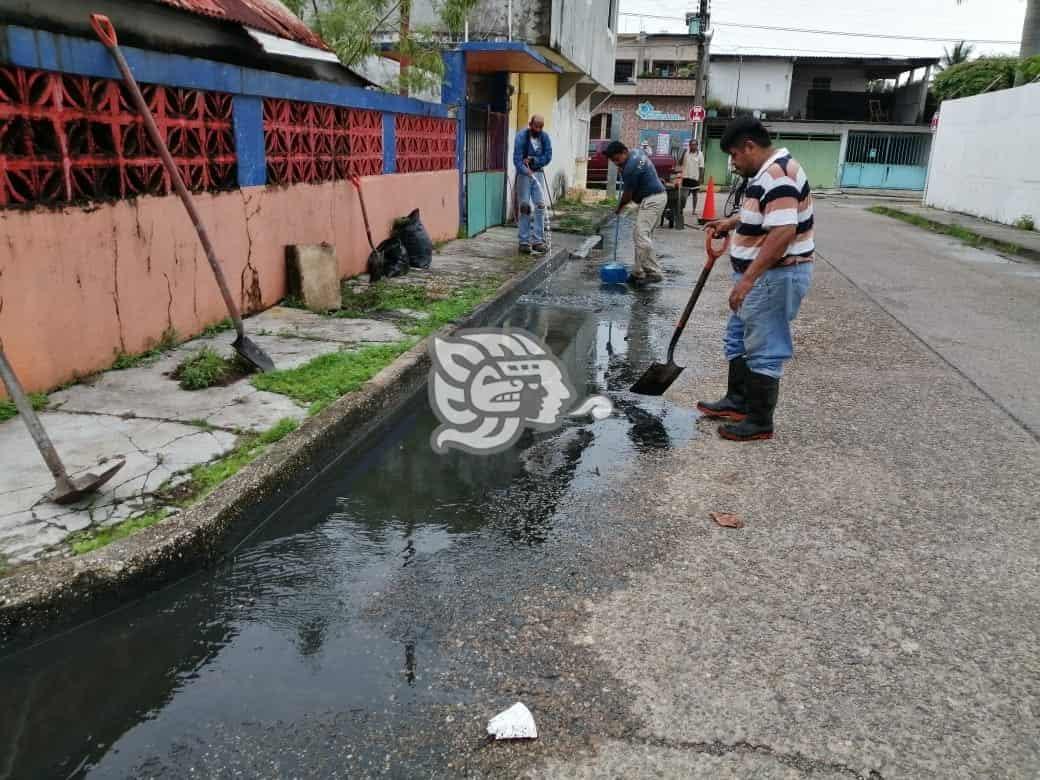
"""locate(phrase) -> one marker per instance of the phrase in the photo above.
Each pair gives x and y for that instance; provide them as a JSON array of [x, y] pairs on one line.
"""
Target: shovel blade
[[84, 485], [657, 379], [252, 354]]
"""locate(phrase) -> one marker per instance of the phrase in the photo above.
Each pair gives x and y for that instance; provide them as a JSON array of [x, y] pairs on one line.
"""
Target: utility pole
[[699, 22]]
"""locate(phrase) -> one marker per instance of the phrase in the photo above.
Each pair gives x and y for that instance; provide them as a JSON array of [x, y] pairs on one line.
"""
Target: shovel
[[659, 376], [248, 350], [375, 263], [67, 490]]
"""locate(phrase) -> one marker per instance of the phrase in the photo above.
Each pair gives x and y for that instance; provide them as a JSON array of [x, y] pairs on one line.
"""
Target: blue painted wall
[[38, 49]]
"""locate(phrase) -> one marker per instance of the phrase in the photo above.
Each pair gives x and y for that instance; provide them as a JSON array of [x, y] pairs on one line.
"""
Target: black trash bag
[[416, 240], [389, 259]]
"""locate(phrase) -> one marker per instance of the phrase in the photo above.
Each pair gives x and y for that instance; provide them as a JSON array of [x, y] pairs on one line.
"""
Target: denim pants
[[530, 197], [761, 330]]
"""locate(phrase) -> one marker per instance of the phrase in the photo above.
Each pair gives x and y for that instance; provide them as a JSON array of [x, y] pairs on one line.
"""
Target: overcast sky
[[999, 20]]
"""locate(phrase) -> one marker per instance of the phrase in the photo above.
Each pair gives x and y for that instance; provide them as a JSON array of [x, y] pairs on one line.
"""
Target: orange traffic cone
[[709, 203]]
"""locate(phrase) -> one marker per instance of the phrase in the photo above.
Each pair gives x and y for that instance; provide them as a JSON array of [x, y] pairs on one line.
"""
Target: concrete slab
[[296, 323], [313, 276], [154, 451], [1028, 240], [149, 392]]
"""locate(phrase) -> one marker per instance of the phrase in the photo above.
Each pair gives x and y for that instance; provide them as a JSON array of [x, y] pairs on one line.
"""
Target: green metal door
[[486, 149], [819, 157]]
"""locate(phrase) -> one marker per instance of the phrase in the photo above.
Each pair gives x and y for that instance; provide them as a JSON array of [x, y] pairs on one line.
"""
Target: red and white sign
[[935, 121], [697, 114]]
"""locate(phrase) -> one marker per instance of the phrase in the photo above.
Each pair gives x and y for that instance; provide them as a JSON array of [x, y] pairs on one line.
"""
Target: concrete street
[[876, 617]]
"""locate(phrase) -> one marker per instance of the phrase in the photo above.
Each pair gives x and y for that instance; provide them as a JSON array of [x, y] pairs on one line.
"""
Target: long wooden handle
[[106, 32], [709, 263]]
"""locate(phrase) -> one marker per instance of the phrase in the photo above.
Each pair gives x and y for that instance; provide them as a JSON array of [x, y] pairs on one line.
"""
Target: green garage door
[[817, 154]]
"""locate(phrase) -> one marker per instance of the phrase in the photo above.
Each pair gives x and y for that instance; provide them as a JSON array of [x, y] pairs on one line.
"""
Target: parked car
[[597, 168]]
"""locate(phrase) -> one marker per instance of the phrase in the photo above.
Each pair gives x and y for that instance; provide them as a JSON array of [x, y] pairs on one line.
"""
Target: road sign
[[697, 114]]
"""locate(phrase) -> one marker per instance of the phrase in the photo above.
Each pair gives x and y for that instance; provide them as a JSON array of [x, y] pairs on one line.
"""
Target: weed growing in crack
[[8, 410], [206, 368], [167, 342], [90, 540]]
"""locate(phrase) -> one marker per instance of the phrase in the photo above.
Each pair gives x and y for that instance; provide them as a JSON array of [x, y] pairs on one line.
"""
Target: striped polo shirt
[[778, 195]]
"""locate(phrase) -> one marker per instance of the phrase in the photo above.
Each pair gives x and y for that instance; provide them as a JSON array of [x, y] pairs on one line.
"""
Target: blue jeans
[[529, 197], [761, 330]]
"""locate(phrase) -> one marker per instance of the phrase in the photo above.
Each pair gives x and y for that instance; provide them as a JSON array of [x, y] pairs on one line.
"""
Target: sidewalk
[[1027, 241], [180, 444]]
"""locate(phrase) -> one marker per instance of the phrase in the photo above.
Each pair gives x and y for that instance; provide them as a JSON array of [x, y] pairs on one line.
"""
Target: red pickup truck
[[597, 168]]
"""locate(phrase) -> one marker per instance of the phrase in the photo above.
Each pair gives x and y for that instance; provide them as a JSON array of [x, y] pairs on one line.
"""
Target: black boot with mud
[[733, 405], [762, 393]]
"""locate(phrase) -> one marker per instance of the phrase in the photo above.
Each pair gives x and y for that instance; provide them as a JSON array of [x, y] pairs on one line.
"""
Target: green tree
[[347, 26], [955, 56]]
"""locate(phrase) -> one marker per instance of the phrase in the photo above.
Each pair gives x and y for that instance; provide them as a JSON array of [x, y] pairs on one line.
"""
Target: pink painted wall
[[80, 285]]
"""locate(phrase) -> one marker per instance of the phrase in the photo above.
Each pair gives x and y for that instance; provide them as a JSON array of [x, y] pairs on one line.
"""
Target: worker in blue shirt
[[532, 152], [644, 187]]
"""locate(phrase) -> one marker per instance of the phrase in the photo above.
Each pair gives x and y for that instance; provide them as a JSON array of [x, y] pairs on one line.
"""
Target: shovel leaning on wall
[[67, 490], [243, 345]]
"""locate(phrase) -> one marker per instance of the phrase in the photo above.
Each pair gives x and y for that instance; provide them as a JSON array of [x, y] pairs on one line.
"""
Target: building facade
[[852, 122], [655, 86], [518, 58]]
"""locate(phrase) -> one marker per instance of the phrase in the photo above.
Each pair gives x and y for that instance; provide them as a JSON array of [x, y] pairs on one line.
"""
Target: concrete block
[[313, 275]]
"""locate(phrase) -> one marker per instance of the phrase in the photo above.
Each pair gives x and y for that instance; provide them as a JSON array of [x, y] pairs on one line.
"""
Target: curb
[[63, 592]]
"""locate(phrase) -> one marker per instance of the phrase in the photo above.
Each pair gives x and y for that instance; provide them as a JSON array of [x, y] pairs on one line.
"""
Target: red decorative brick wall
[[313, 142], [66, 138], [424, 143]]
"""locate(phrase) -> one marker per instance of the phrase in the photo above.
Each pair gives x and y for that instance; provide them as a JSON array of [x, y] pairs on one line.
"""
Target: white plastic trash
[[515, 723]]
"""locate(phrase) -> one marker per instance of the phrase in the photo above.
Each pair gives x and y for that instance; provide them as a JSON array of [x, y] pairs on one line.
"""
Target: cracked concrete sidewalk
[[162, 431]]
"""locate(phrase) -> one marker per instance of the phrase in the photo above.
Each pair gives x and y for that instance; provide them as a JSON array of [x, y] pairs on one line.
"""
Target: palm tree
[[961, 52]]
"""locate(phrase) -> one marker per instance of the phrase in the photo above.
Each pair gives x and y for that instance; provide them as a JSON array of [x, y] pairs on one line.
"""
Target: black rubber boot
[[762, 394], [733, 405]]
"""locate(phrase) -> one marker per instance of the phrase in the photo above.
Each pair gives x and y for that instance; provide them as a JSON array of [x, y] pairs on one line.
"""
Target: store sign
[[648, 113]]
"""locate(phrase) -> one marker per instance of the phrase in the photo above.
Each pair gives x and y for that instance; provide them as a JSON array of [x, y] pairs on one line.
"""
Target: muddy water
[[282, 632]]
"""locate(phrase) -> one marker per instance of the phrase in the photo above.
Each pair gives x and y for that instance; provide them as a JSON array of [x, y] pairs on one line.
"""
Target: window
[[664, 69], [822, 82], [624, 71]]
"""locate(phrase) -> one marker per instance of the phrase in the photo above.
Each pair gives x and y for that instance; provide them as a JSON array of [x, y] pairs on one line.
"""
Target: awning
[[509, 56]]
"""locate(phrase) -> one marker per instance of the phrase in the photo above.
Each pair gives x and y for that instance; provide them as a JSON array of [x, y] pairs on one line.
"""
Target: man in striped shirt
[[772, 255]]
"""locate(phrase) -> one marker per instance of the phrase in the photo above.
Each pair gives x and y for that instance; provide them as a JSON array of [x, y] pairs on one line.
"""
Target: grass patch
[[206, 368], [969, 237], [1025, 222], [8, 410], [327, 377], [205, 478], [88, 541], [220, 327], [574, 216], [382, 296], [168, 341]]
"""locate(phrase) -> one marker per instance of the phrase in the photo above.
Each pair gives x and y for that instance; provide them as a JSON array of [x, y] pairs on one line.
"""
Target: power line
[[952, 39]]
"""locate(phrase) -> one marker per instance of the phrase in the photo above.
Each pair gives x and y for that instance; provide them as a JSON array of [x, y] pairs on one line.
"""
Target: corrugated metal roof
[[267, 15]]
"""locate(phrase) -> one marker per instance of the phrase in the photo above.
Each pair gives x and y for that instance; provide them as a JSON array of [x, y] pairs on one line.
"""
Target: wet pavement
[[875, 618], [344, 616]]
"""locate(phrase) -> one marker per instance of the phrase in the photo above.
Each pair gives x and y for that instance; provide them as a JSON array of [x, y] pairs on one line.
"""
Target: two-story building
[[851, 121], [518, 58], [655, 84]]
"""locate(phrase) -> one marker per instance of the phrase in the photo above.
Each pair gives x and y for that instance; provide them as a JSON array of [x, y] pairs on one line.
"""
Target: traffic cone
[[709, 203]]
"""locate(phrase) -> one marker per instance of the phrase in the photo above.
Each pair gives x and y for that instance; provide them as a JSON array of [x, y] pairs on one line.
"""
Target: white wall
[[764, 85], [984, 159], [584, 33], [843, 79]]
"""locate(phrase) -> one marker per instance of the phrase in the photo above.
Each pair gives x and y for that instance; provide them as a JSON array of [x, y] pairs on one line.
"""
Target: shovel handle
[[106, 32], [104, 29], [356, 181], [709, 245], [709, 263]]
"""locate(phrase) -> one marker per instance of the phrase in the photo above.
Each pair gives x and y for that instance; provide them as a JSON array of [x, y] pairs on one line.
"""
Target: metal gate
[[486, 155], [887, 161]]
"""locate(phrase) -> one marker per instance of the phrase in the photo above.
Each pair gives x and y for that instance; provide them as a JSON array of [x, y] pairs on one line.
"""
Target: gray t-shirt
[[640, 177]]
